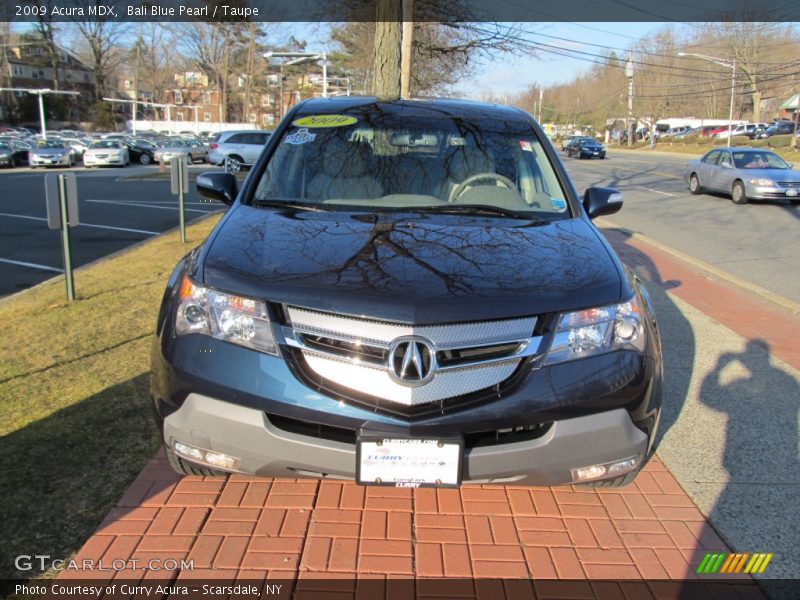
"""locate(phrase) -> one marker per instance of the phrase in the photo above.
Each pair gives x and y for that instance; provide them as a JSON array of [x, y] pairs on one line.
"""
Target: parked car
[[192, 150], [107, 152], [237, 149], [779, 128], [6, 155], [50, 153], [749, 130], [584, 147], [745, 174], [374, 307], [141, 150], [18, 150]]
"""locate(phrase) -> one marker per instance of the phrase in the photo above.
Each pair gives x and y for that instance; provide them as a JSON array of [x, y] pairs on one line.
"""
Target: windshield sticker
[[558, 204], [301, 136], [325, 121], [526, 146]]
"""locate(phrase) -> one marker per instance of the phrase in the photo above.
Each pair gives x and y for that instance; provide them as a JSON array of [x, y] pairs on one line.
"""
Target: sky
[[510, 75]]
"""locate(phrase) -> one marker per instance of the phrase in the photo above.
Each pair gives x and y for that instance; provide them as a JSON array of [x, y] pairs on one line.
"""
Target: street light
[[40, 93], [301, 58], [729, 64]]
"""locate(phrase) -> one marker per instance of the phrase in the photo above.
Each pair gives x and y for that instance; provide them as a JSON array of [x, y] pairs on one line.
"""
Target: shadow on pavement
[[759, 500]]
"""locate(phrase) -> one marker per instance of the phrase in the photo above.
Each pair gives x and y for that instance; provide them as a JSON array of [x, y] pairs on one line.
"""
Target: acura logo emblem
[[411, 360]]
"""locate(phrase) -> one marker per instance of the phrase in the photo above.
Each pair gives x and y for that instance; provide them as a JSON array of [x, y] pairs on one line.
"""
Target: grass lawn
[[75, 419], [788, 154]]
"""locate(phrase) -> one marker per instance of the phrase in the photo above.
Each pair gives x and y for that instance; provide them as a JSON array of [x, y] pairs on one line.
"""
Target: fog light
[[612, 469], [213, 459]]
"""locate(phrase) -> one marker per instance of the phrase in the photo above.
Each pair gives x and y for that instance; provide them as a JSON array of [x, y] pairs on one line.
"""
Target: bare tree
[[388, 33]]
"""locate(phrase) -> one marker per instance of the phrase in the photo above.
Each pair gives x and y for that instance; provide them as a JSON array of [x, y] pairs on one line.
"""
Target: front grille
[[475, 439], [789, 184], [389, 364]]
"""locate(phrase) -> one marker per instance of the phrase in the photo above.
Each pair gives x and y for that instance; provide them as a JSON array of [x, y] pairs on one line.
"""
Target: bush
[[705, 140], [740, 140], [691, 139]]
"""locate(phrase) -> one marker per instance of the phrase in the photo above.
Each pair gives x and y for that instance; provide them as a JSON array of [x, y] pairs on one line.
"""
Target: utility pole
[[407, 46], [629, 75], [541, 95], [386, 59]]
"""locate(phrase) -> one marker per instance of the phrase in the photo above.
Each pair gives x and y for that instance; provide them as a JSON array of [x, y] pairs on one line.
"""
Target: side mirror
[[217, 186], [600, 201]]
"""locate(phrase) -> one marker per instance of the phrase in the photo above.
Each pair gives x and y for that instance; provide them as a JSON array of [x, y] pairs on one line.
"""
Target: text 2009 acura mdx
[[407, 293]]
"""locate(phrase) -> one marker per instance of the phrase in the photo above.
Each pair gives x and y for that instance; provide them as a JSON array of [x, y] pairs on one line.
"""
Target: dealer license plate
[[791, 193], [409, 462]]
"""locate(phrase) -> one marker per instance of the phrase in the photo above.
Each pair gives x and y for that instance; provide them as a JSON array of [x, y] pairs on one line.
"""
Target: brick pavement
[[315, 531], [241, 528]]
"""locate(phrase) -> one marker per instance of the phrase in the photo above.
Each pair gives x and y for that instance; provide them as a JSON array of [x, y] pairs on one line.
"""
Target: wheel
[[694, 184], [185, 467], [738, 194], [617, 482], [145, 159], [233, 164], [189, 159]]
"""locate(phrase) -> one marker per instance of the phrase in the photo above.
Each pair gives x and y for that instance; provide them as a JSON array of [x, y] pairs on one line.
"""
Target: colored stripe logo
[[740, 562]]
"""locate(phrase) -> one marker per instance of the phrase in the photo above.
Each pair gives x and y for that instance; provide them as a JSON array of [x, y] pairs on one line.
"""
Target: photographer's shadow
[[757, 508]]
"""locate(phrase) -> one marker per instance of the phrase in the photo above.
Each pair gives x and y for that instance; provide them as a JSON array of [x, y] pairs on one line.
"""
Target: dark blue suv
[[407, 293]]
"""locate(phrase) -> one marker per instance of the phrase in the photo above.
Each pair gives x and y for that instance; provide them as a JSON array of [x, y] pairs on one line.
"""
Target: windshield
[[758, 160], [49, 144], [105, 144], [4, 146], [376, 160]]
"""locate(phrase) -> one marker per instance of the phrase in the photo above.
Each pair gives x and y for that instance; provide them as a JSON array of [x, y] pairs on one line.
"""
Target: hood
[[49, 150], [411, 268], [774, 174]]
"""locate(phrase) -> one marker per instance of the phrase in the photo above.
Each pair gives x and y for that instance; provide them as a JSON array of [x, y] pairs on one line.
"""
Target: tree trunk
[[756, 95], [388, 36]]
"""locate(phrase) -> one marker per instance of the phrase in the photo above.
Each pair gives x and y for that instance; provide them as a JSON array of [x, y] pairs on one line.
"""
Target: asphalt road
[[758, 242], [114, 214]]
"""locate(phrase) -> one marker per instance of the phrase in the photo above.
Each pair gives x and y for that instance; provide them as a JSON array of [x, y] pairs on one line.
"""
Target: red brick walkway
[[243, 528]]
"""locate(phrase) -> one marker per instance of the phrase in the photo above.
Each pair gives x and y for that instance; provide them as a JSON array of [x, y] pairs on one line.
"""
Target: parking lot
[[118, 207]]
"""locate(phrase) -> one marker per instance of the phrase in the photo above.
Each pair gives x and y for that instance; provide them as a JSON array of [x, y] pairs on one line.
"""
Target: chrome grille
[[789, 184], [356, 354]]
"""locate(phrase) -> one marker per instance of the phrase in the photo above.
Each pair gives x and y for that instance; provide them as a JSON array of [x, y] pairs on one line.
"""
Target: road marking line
[[126, 203], [20, 263], [127, 229], [752, 287], [657, 191]]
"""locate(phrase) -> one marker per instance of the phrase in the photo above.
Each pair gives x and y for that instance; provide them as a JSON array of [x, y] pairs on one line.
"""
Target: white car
[[106, 153]]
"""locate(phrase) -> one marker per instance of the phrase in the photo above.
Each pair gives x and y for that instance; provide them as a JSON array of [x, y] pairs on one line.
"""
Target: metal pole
[[280, 92], [41, 115], [65, 246], [324, 75], [181, 206], [730, 114], [134, 117], [630, 111]]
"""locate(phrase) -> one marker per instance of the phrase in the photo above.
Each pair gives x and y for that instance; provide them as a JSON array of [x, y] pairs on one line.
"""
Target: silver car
[[192, 150], [109, 152], [50, 153], [237, 149], [745, 174]]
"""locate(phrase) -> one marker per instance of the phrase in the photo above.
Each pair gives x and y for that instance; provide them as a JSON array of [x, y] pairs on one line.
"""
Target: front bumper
[[758, 192], [54, 162], [221, 397], [90, 161], [269, 451]]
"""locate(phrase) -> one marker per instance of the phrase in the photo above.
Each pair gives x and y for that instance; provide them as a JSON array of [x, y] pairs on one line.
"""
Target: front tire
[[694, 184], [145, 159], [184, 467], [738, 195]]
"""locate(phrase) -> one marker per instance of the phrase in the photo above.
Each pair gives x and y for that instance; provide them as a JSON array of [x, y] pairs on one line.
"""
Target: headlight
[[597, 330], [225, 317], [765, 182]]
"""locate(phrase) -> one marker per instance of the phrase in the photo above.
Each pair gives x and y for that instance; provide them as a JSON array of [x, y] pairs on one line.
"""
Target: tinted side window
[[259, 138], [712, 157], [239, 138]]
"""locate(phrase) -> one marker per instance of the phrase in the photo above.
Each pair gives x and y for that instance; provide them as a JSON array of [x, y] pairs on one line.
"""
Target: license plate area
[[397, 461]]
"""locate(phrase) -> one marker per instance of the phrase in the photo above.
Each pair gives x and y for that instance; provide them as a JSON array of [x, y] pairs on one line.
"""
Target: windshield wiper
[[297, 204], [474, 209]]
